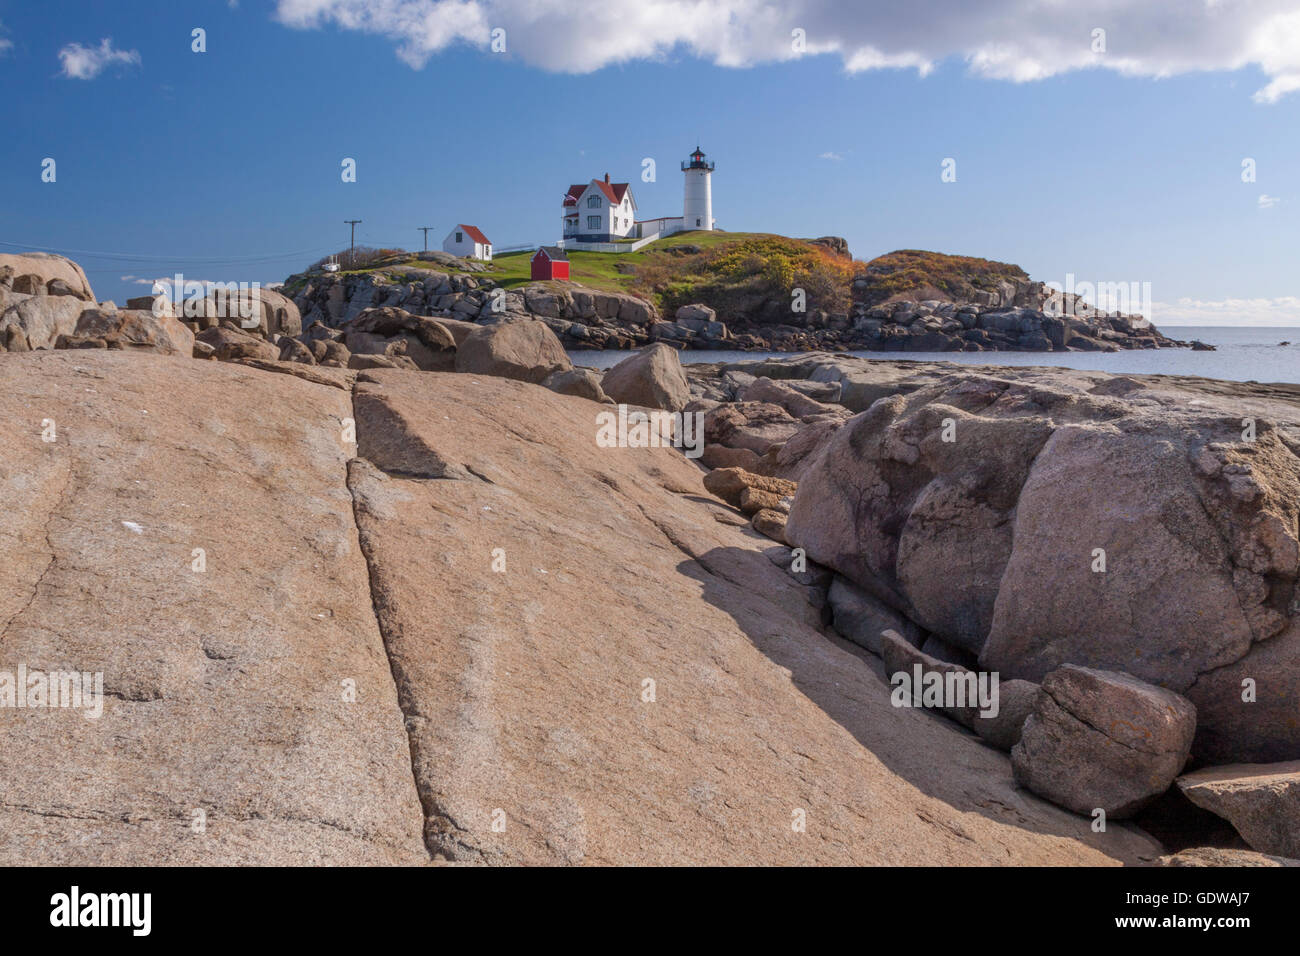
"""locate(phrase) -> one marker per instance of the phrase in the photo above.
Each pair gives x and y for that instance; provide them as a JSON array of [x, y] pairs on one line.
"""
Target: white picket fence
[[572, 245]]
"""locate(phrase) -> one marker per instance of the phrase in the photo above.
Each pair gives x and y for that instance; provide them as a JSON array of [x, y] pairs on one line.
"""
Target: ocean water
[[1245, 354]]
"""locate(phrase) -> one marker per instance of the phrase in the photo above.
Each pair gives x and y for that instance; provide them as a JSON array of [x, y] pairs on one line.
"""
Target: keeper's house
[[550, 262], [599, 211]]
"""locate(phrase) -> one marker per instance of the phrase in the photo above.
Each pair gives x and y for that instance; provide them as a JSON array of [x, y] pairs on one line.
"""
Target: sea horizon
[[1243, 353]]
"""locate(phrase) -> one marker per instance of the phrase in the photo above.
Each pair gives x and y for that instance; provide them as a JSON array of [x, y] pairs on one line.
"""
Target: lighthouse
[[697, 208]]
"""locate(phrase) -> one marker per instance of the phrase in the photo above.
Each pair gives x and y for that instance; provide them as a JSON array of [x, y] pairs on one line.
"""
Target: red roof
[[475, 233], [614, 192]]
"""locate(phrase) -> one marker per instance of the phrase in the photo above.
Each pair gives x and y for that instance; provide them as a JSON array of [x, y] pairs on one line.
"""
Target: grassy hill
[[734, 272]]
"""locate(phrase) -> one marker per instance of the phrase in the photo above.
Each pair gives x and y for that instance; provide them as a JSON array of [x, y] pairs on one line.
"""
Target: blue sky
[[225, 165]]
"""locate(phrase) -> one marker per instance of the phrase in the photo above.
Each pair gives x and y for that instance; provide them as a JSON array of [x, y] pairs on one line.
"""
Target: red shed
[[550, 262]]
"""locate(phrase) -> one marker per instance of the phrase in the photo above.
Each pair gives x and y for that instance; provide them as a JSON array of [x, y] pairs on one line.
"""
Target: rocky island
[[746, 292]]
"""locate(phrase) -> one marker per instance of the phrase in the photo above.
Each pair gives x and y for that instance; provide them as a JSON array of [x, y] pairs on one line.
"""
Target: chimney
[[607, 177]]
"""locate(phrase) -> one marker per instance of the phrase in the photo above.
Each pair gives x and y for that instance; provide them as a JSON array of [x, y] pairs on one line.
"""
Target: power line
[[149, 257]]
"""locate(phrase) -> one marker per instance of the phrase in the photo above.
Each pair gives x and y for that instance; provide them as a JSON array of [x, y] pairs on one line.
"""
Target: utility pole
[[352, 247], [425, 230]]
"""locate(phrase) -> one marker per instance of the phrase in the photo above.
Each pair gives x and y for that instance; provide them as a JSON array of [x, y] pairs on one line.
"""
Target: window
[[593, 222], [593, 202], [459, 238], [697, 222]]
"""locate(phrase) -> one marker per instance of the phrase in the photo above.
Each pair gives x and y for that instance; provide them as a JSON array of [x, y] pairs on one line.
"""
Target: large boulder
[[42, 319], [583, 382], [526, 351], [758, 426], [292, 350], [1262, 801], [924, 522], [1102, 739], [695, 312], [230, 345], [280, 313], [425, 341], [41, 273], [259, 310], [652, 378], [459, 330], [1043, 518], [131, 329], [777, 393]]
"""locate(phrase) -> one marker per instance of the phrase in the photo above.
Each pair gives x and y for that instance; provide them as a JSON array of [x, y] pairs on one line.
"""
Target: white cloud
[[829, 154], [86, 62], [1014, 40], [1268, 202], [5, 45], [1282, 311]]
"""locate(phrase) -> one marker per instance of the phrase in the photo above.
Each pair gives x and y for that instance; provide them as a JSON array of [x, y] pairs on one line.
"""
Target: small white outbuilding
[[468, 242]]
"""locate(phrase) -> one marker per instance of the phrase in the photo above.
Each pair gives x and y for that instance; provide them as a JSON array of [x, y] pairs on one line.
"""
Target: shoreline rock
[[1101, 740]]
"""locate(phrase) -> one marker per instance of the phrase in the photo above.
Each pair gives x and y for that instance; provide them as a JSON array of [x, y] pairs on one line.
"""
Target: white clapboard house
[[468, 242]]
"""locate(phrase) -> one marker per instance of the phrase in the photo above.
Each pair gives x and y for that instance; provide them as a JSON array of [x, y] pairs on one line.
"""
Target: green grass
[[599, 270]]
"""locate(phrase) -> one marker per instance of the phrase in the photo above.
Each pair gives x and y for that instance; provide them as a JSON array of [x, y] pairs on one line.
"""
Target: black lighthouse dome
[[697, 161]]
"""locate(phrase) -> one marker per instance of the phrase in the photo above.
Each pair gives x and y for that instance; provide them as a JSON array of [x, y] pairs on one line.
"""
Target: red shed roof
[[475, 233]]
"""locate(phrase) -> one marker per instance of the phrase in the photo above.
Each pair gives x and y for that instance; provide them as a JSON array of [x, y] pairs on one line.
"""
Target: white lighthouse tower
[[697, 209]]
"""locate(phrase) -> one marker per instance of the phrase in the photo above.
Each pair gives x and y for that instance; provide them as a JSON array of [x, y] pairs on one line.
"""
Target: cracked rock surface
[[350, 681], [224, 698]]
